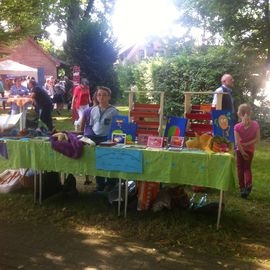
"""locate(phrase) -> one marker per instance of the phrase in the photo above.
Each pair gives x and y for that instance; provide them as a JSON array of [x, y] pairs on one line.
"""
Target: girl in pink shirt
[[247, 134]]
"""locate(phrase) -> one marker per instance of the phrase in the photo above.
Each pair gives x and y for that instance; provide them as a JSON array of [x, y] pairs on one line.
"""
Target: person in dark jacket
[[43, 102], [227, 82]]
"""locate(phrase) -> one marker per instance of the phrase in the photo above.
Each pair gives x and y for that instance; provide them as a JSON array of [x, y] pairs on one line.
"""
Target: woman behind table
[[18, 90], [81, 100], [247, 134]]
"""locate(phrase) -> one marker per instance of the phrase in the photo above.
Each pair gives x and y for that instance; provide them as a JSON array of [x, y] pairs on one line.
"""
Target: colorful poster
[[121, 160], [222, 122], [119, 125], [176, 126]]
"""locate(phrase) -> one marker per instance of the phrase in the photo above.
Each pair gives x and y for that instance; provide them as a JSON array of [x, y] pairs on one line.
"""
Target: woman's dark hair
[[33, 82]]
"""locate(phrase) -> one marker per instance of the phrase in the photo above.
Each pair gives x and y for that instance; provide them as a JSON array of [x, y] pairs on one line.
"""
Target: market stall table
[[21, 102], [213, 170]]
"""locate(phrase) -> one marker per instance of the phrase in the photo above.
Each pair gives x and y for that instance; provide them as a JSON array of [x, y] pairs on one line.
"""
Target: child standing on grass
[[247, 134]]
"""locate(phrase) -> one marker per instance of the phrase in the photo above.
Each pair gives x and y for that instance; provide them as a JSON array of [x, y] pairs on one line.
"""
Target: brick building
[[31, 54]]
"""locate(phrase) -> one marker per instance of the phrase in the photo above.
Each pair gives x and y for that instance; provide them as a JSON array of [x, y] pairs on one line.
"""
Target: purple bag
[[72, 148]]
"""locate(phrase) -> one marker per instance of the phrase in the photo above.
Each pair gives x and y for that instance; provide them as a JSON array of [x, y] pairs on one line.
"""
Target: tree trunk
[[267, 26], [88, 8], [73, 14]]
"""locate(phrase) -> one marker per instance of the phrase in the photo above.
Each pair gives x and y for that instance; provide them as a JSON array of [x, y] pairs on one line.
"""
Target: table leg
[[21, 119], [219, 208], [119, 197], [126, 198], [63, 177], [35, 187], [40, 187]]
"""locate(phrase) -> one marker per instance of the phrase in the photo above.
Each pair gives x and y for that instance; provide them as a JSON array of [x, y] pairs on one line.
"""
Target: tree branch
[[88, 8]]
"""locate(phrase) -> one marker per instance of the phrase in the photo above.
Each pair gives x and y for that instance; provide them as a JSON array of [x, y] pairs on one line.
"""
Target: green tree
[[19, 18], [196, 71], [91, 45], [243, 24]]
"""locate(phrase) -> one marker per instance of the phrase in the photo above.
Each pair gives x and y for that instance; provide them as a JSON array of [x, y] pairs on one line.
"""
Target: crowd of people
[[93, 116], [54, 94]]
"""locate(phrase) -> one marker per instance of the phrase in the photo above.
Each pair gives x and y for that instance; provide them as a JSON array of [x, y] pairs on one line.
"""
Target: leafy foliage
[[90, 47], [198, 71], [28, 18], [243, 23]]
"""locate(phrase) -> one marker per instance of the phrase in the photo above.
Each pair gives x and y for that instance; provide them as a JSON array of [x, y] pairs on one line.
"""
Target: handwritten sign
[[121, 160]]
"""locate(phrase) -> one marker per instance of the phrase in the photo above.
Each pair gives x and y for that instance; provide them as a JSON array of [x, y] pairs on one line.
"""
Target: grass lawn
[[245, 224]]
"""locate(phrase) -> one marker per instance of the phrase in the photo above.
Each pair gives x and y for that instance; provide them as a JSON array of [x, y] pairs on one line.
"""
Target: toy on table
[[200, 142], [221, 144]]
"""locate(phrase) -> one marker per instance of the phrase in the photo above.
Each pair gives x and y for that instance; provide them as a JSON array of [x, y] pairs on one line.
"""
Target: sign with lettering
[[121, 160]]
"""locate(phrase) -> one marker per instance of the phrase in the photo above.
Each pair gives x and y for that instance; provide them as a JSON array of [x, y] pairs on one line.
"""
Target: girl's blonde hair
[[244, 111]]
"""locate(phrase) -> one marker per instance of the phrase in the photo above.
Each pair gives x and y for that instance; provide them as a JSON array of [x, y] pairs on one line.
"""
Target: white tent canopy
[[9, 67]]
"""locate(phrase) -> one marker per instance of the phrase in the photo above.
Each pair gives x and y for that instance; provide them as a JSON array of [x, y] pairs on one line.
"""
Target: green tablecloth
[[185, 167]]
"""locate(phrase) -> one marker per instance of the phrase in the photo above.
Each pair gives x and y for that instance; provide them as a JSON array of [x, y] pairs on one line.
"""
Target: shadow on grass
[[85, 231]]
